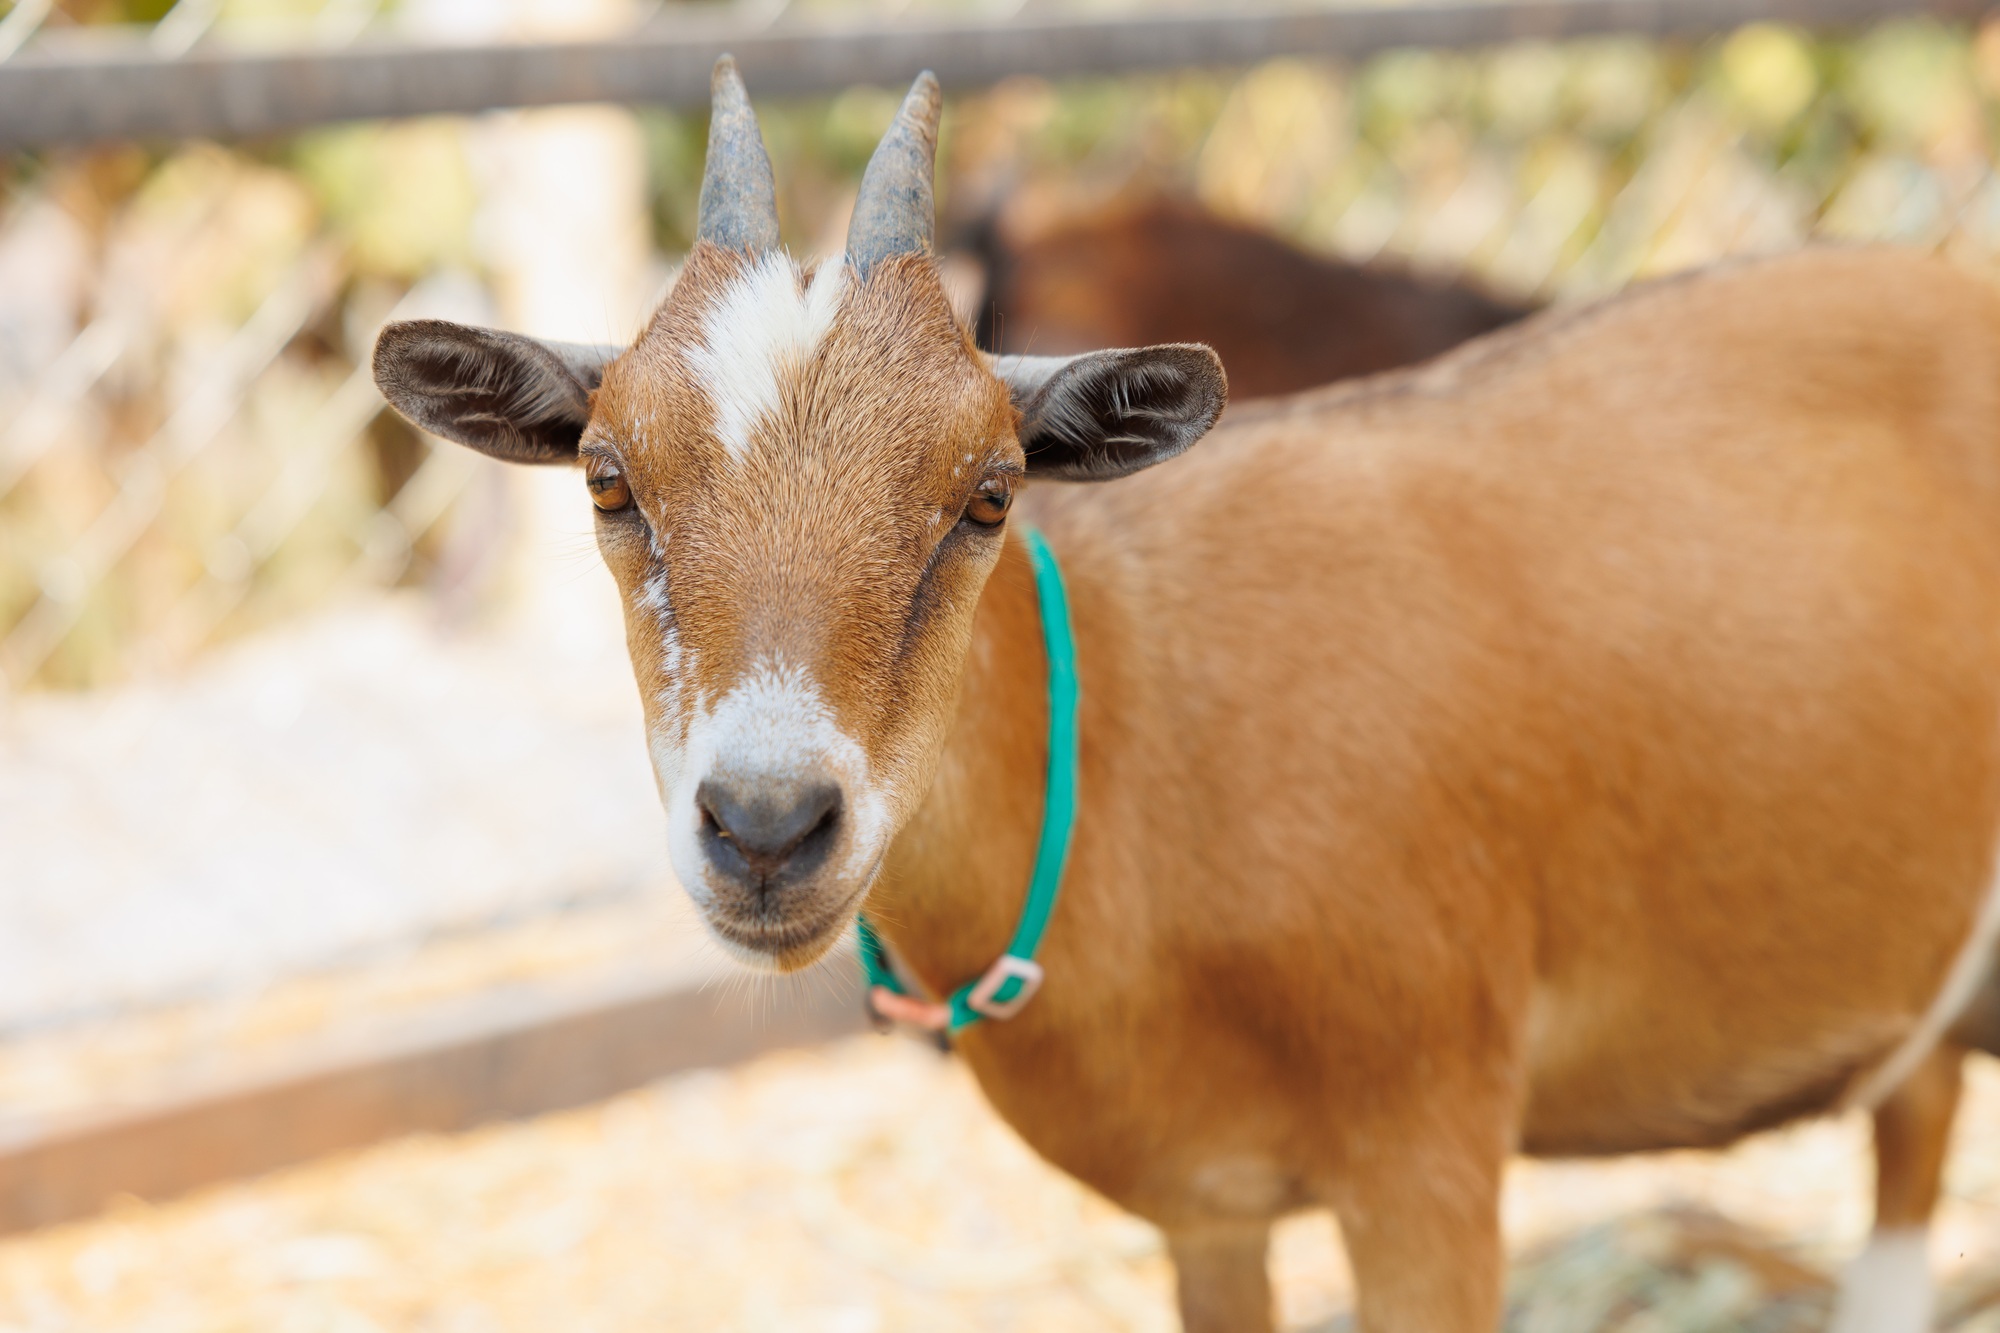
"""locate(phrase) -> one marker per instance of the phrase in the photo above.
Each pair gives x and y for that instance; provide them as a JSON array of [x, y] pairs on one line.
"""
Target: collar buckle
[[984, 999]]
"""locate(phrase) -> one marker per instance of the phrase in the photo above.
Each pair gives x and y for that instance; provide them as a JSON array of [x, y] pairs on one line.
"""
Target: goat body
[[1588, 743]]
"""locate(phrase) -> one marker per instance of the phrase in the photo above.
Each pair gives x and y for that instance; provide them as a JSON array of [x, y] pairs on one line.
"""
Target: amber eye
[[989, 503], [608, 490]]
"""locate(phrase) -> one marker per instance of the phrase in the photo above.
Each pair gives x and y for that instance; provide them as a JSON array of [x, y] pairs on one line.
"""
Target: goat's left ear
[[1105, 414]]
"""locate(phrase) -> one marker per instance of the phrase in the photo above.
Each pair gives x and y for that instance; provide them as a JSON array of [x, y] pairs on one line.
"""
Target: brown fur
[[1159, 271], [1585, 745], [814, 545], [1589, 743], [1912, 1131]]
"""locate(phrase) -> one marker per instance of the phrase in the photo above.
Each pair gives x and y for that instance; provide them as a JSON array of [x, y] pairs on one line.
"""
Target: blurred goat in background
[[1162, 270]]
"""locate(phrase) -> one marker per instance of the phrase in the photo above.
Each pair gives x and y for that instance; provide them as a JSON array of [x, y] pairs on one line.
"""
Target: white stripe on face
[[652, 597], [675, 667], [763, 328]]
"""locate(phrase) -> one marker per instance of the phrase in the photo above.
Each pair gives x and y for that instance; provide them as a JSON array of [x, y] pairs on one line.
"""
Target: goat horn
[[894, 214], [739, 196]]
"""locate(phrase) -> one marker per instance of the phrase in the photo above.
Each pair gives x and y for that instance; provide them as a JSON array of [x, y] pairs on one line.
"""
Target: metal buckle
[[1006, 966]]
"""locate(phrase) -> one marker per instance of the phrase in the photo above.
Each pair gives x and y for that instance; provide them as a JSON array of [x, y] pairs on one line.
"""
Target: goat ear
[[1105, 414], [519, 399]]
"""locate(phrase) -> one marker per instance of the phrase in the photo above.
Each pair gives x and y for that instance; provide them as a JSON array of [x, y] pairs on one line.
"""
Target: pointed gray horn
[[894, 214], [739, 196]]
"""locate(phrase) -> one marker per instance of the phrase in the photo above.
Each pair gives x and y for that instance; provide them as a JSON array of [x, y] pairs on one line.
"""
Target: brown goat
[[1283, 321], [1588, 743], [1164, 271]]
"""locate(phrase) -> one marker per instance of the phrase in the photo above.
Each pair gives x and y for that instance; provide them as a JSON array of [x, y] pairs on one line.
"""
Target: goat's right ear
[[519, 399]]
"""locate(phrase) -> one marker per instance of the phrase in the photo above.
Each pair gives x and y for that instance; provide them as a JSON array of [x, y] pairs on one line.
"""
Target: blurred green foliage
[[1363, 159], [401, 193]]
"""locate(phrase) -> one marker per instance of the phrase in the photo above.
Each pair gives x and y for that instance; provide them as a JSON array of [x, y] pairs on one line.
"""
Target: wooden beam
[[83, 86], [512, 1053]]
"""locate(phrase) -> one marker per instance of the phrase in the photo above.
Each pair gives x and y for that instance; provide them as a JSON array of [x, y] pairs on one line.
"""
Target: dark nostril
[[764, 832]]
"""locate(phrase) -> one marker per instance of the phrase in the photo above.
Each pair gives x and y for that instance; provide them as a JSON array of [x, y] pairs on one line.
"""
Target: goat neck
[[955, 879]]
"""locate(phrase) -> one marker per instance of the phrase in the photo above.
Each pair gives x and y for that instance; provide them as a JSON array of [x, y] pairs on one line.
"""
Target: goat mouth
[[790, 937], [779, 946]]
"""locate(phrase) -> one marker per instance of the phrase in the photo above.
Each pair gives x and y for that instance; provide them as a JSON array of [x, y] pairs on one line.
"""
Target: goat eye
[[989, 503], [608, 490]]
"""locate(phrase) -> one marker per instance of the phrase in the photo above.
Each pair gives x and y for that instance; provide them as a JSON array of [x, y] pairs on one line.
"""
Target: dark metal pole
[[84, 87]]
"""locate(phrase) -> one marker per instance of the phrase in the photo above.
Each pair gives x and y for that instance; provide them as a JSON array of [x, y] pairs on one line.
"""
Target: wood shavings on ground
[[865, 1188]]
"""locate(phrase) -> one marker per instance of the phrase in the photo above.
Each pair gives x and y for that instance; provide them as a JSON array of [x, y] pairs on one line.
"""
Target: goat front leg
[[1887, 1288], [1220, 1271], [1422, 1230]]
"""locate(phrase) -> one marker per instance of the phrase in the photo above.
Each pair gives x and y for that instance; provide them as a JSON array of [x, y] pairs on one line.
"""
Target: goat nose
[[763, 832]]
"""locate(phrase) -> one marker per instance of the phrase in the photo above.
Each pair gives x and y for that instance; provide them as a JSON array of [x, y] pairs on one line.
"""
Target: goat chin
[[776, 959]]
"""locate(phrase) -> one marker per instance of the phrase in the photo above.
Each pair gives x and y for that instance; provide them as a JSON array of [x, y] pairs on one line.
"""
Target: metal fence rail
[[90, 87]]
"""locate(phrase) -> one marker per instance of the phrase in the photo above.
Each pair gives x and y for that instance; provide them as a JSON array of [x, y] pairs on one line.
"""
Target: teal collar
[[1015, 975]]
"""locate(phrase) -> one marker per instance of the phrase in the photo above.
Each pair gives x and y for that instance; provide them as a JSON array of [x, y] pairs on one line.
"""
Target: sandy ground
[[864, 1187]]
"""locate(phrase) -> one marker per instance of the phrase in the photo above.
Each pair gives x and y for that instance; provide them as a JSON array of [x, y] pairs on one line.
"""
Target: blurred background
[[325, 817]]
